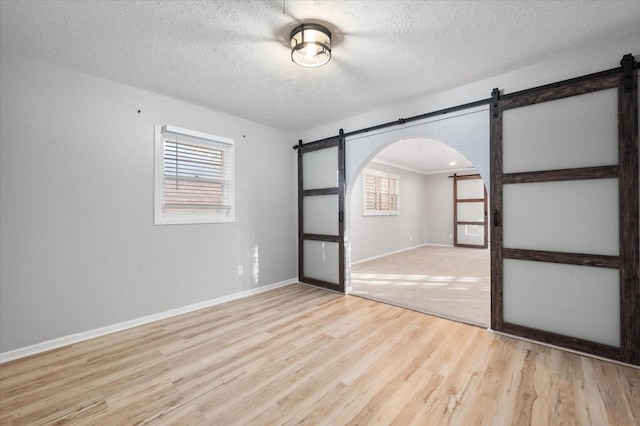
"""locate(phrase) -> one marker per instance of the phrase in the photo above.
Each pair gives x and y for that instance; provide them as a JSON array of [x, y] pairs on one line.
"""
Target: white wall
[[426, 215], [79, 250], [439, 208], [467, 132], [372, 236]]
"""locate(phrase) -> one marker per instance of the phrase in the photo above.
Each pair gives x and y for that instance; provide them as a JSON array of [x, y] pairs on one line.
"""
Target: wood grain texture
[[300, 355], [581, 173], [563, 89], [455, 210], [495, 154], [320, 191], [467, 177], [342, 191], [626, 172], [597, 260], [320, 237], [330, 142], [300, 212], [569, 342], [629, 220]]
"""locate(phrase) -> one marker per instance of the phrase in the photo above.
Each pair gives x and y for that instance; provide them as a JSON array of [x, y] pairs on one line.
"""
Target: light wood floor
[[297, 355]]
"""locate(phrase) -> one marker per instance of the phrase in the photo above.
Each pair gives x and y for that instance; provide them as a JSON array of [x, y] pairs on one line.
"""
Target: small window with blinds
[[194, 177], [381, 193]]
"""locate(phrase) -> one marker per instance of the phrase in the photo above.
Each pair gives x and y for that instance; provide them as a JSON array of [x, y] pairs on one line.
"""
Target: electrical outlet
[[240, 269]]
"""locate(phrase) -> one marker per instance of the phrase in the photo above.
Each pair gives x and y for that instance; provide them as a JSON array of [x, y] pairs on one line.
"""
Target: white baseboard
[[90, 334], [388, 254], [399, 251]]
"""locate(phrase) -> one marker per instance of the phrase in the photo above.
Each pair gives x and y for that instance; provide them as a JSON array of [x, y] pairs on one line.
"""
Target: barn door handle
[[496, 217], [340, 216]]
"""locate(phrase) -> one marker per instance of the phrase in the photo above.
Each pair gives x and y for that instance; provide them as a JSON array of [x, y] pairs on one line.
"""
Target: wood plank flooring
[[299, 355]]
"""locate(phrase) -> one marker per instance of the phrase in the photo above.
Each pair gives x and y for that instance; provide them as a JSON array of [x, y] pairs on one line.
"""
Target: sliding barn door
[[564, 196], [469, 212], [321, 188]]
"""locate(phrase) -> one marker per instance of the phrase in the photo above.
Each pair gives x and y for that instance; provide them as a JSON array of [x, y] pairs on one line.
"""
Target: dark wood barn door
[[469, 212], [564, 200], [321, 190]]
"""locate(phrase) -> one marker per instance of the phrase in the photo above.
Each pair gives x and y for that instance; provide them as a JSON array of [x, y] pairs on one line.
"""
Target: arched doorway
[[403, 252]]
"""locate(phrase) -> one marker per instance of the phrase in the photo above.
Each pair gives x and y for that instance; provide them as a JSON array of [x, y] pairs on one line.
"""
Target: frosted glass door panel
[[320, 169], [569, 216], [473, 188], [321, 215], [471, 234], [321, 260], [576, 301], [579, 131], [471, 212]]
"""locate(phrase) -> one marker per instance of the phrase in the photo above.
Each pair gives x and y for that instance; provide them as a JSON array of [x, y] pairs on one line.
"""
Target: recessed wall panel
[[578, 131], [320, 169], [576, 301], [321, 214], [321, 260], [569, 216]]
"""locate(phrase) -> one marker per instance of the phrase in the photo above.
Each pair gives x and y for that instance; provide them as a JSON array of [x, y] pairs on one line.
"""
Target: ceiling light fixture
[[310, 45]]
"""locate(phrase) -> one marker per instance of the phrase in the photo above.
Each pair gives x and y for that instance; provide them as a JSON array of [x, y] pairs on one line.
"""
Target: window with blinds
[[194, 177], [381, 193]]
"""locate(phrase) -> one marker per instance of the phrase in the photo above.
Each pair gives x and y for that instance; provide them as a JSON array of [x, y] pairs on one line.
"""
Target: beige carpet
[[448, 282]]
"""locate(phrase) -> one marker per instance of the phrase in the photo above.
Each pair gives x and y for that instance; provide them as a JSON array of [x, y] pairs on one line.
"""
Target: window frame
[[385, 175], [207, 141]]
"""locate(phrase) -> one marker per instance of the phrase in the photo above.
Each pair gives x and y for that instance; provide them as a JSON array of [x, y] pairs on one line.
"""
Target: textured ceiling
[[233, 56]]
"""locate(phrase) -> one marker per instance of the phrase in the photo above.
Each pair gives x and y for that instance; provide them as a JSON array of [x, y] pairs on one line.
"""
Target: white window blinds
[[195, 177], [381, 192]]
